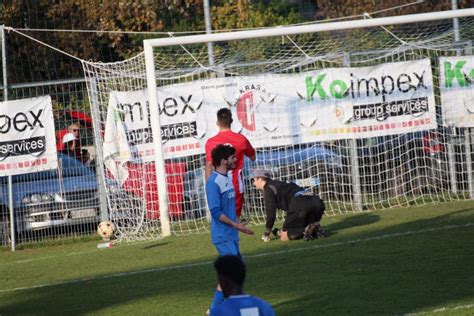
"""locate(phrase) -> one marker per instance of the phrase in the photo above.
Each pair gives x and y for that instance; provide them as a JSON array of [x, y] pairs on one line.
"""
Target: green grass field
[[415, 260]]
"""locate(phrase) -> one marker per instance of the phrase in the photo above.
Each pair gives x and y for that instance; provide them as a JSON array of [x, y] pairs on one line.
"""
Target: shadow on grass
[[393, 274], [350, 222], [155, 244]]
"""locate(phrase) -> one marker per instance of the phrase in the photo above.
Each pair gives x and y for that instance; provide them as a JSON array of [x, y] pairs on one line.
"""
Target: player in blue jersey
[[221, 202], [231, 276]]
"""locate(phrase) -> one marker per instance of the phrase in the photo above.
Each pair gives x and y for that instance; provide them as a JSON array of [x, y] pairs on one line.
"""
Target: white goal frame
[[150, 44]]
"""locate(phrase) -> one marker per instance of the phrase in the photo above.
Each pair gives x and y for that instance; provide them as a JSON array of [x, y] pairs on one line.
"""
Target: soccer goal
[[370, 114]]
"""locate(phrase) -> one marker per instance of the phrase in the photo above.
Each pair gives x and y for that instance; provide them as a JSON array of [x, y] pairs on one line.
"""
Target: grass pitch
[[417, 260]]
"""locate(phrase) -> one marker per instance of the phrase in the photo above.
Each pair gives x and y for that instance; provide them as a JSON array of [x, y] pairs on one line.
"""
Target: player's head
[[259, 178], [224, 117], [224, 154], [230, 274], [74, 129], [69, 140]]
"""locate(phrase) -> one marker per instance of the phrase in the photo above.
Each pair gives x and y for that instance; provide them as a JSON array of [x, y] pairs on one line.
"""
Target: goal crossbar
[[313, 28]]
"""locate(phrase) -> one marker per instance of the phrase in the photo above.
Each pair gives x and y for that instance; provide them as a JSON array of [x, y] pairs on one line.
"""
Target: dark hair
[[231, 268], [224, 117], [221, 152]]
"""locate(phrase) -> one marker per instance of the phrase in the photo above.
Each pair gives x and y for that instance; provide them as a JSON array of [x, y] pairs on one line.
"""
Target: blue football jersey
[[243, 305], [221, 200]]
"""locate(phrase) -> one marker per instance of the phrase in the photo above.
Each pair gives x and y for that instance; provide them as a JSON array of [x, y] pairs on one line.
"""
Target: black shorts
[[303, 210]]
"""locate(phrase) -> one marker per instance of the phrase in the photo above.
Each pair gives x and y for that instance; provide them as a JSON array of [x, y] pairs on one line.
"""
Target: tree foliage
[[345, 8], [29, 61]]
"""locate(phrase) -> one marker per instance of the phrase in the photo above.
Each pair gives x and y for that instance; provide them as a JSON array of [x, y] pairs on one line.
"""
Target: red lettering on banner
[[9, 165], [178, 148], [2, 167], [185, 147], [404, 124]]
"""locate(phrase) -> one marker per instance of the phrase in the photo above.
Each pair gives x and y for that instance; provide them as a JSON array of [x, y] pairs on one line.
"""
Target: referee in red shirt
[[242, 148]]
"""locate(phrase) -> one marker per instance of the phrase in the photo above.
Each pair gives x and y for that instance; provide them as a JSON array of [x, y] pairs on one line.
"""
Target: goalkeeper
[[303, 209]]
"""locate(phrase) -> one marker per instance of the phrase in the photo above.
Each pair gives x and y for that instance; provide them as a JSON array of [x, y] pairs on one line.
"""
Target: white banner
[[330, 104], [27, 140], [457, 90]]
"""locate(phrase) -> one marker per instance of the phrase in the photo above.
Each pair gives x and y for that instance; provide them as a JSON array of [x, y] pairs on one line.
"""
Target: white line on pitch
[[443, 310], [203, 263]]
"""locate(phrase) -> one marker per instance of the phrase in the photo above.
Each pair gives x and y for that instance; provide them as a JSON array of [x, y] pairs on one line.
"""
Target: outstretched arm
[[244, 229]]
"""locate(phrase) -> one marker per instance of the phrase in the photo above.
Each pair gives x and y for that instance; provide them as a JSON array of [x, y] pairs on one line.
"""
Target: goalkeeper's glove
[[266, 237], [276, 232]]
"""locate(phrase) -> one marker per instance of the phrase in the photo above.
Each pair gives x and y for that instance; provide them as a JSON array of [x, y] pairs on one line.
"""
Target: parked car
[[62, 197]]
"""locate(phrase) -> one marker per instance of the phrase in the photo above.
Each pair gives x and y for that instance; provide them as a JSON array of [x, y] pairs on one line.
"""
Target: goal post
[[151, 44], [156, 131]]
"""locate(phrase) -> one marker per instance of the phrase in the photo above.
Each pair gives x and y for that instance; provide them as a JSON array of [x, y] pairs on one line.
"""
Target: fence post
[[467, 146], [5, 98], [452, 162], [207, 20], [355, 174]]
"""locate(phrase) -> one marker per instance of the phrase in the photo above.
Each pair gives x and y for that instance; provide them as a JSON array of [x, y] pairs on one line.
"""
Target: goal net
[[369, 117]]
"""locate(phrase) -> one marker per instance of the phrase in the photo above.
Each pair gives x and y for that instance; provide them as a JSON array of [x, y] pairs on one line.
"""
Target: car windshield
[[70, 167]]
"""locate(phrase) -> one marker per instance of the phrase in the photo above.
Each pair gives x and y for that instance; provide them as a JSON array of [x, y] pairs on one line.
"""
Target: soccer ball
[[106, 229]]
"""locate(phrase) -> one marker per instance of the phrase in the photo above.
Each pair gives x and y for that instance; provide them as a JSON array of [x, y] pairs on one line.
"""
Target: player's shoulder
[[265, 307], [212, 179]]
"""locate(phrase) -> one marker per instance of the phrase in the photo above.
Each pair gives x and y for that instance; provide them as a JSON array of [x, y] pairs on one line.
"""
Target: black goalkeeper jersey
[[277, 195]]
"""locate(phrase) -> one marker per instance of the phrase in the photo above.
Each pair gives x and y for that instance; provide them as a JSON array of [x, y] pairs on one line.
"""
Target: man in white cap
[[71, 148], [303, 209]]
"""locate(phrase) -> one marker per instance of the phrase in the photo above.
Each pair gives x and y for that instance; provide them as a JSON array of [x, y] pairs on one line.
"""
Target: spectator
[[303, 209], [71, 148], [242, 148], [83, 154], [221, 201], [231, 276], [74, 129]]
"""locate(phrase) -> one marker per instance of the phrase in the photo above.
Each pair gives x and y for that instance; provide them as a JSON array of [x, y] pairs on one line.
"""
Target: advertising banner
[[276, 110], [457, 90], [27, 140]]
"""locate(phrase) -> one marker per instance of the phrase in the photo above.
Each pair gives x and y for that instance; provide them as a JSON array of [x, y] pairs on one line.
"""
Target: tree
[[347, 8]]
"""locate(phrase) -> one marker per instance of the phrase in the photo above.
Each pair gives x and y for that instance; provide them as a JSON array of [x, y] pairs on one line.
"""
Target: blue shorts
[[230, 247]]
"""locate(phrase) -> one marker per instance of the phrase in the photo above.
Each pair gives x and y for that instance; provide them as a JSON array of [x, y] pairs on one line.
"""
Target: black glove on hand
[[276, 232]]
